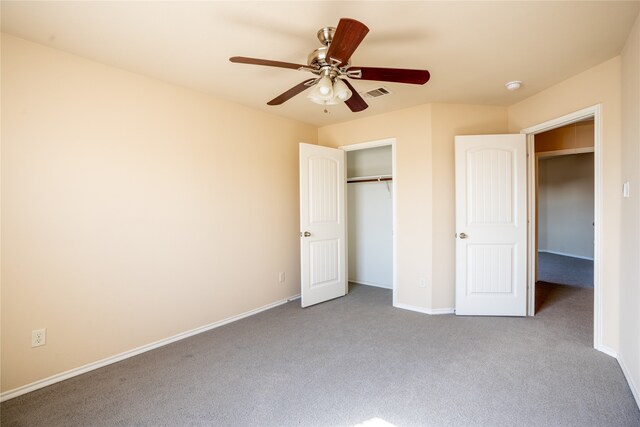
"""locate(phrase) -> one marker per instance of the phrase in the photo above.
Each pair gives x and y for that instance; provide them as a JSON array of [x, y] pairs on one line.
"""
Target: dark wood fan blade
[[290, 93], [266, 62], [349, 34], [398, 75], [355, 103]]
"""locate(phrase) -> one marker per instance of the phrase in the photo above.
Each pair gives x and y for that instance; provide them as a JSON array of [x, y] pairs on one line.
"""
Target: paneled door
[[491, 225], [322, 224]]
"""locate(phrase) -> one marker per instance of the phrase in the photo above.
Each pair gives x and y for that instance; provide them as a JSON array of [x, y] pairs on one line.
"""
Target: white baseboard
[[442, 311], [377, 285], [10, 394], [632, 385], [608, 351], [425, 310], [565, 254]]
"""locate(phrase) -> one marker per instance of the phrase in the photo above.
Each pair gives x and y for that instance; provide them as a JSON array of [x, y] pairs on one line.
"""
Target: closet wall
[[565, 205], [370, 217], [565, 195]]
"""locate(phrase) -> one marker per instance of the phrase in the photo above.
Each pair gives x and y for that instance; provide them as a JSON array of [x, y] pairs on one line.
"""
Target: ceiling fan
[[331, 63]]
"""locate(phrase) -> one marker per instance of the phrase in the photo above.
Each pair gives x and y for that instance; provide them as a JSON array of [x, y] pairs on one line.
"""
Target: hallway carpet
[[565, 270], [352, 360]]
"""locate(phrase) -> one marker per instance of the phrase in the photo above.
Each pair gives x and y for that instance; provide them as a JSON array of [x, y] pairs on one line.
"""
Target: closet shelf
[[374, 178]]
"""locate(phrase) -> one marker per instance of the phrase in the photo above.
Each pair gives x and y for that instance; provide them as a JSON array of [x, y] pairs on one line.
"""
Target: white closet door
[[322, 224]]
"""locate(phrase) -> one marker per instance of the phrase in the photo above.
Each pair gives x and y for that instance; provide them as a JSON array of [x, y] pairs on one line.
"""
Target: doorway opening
[[371, 214], [565, 206], [552, 147]]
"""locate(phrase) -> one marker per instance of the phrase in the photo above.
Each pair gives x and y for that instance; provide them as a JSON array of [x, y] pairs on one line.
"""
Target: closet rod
[[349, 181]]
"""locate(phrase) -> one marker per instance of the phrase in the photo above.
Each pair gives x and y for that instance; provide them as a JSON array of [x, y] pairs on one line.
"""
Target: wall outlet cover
[[38, 337]]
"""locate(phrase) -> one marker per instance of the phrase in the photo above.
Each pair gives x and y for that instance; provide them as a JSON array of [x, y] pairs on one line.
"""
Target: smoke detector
[[514, 85]]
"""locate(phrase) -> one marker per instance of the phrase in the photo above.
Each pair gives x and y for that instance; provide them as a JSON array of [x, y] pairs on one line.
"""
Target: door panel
[[325, 257], [322, 224], [323, 203], [491, 225]]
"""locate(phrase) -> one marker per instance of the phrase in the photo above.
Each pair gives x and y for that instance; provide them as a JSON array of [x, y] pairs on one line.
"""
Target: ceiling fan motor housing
[[318, 60]]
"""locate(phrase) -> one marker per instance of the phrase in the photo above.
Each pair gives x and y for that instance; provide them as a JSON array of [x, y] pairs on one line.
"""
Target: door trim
[[589, 112], [394, 200]]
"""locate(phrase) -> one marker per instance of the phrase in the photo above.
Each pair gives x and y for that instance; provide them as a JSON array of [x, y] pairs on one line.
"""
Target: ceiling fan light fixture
[[321, 100], [316, 96], [341, 90], [325, 88], [338, 92]]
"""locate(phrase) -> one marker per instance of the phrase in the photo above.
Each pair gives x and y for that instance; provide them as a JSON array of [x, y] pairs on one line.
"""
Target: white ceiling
[[471, 48]]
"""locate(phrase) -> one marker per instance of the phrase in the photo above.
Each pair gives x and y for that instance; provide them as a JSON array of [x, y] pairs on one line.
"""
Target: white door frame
[[589, 112], [374, 144]]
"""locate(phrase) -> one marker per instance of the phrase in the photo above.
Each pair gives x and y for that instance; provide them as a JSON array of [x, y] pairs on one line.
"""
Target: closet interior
[[370, 216]]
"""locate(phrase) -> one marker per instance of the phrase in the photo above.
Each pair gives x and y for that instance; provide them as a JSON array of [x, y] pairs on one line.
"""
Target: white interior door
[[491, 225], [322, 224]]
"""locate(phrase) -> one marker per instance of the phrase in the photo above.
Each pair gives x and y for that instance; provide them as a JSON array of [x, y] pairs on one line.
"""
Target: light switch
[[625, 189]]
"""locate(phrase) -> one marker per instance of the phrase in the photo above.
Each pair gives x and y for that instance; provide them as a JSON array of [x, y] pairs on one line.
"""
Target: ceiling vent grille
[[376, 93]]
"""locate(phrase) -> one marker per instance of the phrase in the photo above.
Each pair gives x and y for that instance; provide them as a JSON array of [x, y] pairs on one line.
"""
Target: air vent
[[376, 93]]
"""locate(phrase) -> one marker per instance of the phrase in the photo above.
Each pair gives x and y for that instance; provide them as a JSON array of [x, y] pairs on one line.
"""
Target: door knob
[[463, 236], [307, 234]]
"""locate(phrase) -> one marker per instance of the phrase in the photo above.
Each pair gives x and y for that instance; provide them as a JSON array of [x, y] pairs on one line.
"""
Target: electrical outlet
[[281, 277], [423, 283], [38, 337]]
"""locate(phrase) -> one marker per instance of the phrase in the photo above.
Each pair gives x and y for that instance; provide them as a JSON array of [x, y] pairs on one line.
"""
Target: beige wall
[[598, 85], [129, 210], [629, 352], [425, 185]]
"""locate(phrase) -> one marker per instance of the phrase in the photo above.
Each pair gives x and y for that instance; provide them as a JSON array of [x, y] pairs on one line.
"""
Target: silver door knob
[[306, 234], [463, 236]]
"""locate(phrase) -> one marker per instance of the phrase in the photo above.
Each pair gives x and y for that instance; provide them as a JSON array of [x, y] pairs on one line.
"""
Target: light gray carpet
[[565, 270], [352, 359]]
